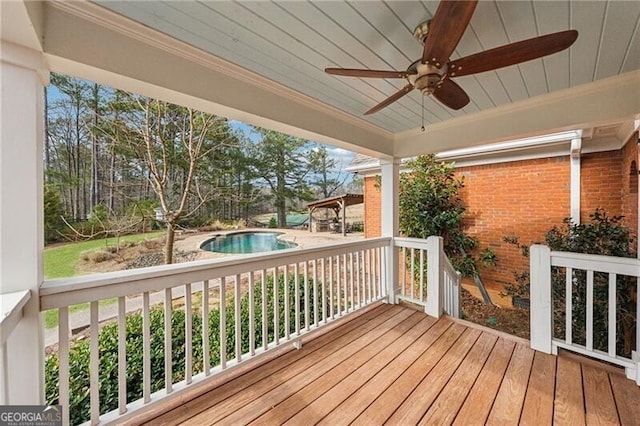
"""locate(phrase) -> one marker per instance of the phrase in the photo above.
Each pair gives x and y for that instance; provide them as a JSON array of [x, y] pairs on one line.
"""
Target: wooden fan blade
[[513, 53], [445, 30], [391, 99], [452, 95], [352, 72]]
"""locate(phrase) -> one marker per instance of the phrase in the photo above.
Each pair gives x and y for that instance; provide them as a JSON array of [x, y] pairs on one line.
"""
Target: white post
[[21, 215], [435, 279], [540, 296], [576, 147], [390, 187]]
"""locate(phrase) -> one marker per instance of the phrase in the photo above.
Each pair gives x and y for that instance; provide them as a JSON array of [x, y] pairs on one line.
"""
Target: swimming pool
[[246, 242]]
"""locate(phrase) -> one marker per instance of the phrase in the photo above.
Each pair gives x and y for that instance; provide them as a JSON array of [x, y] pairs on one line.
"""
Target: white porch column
[[22, 80], [576, 147], [540, 296], [390, 220]]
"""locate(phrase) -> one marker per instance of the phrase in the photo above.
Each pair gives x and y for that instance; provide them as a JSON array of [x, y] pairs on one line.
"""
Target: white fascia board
[[85, 40], [364, 168], [613, 99], [509, 146]]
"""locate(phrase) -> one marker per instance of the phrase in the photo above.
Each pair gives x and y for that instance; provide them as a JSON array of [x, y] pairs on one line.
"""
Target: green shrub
[[430, 204], [53, 223], [603, 235], [273, 223], [98, 256], [108, 343]]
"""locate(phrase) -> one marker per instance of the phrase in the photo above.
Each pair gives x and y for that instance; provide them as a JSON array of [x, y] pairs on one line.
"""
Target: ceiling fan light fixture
[[421, 31]]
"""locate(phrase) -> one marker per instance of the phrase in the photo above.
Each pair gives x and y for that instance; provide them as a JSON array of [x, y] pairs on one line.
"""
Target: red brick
[[526, 198]]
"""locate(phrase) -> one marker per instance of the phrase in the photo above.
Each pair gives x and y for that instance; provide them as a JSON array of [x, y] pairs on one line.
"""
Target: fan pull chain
[[422, 128]]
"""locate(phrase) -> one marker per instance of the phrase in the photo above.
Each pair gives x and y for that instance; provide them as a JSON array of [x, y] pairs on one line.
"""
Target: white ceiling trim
[[604, 101], [82, 48], [113, 21]]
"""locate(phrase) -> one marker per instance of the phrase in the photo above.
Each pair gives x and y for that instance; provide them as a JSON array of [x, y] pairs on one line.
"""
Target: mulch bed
[[513, 321]]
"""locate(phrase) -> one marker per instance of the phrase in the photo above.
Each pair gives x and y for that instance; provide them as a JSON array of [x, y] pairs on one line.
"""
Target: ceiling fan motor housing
[[425, 77]]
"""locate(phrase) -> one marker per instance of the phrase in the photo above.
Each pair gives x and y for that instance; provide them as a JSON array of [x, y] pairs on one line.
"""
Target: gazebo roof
[[337, 201]]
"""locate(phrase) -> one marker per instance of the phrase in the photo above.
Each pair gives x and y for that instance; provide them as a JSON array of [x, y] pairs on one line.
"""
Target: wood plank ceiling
[[292, 42]]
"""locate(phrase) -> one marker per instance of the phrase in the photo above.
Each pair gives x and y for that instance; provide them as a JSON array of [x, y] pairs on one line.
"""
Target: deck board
[[355, 367], [351, 408], [538, 403], [508, 403], [598, 397], [446, 406], [270, 391], [627, 396], [335, 389], [477, 406], [415, 405], [397, 366], [344, 333], [569, 402], [386, 403]]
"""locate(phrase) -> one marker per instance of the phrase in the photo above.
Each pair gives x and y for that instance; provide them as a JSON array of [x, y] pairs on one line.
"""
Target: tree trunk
[[95, 152], [78, 190], [47, 147], [112, 179], [168, 247], [281, 202]]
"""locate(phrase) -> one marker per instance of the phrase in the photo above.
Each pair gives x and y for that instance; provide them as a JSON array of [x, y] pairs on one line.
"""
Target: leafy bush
[[357, 227], [430, 205], [603, 235], [108, 344], [98, 256], [273, 223], [53, 223]]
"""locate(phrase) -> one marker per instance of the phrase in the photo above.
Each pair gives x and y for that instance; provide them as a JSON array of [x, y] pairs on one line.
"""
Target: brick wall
[[520, 198], [526, 198], [600, 183], [372, 203], [629, 176]]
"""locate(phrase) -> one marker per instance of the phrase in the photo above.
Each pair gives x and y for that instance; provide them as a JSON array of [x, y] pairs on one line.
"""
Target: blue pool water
[[246, 242]]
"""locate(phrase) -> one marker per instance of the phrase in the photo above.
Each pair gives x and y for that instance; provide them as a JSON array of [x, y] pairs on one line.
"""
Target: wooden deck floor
[[398, 366]]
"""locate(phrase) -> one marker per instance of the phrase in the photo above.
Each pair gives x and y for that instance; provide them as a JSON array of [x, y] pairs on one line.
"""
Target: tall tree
[[328, 177], [95, 147], [69, 134], [282, 162], [168, 145]]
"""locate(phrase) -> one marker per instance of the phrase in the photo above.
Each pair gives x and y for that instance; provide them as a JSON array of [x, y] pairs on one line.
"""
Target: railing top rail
[[449, 267], [12, 304], [593, 262], [121, 283], [410, 242]]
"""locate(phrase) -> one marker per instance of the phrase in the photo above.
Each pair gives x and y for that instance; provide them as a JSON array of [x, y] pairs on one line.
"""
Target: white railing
[[422, 262], [451, 288], [564, 283], [245, 314], [12, 306]]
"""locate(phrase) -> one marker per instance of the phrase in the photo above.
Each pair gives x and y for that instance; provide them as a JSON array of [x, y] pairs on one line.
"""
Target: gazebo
[[337, 204]]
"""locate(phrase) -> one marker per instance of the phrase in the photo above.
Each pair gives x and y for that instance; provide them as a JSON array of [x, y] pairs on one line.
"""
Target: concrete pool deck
[[302, 237], [190, 242]]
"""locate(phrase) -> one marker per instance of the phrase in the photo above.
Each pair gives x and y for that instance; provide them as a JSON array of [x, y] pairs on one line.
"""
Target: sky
[[342, 157]]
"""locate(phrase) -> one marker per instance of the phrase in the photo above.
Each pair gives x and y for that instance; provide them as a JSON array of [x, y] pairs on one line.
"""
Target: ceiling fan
[[432, 73]]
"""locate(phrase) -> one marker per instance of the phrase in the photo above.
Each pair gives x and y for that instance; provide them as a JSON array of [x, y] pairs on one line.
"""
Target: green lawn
[[60, 261]]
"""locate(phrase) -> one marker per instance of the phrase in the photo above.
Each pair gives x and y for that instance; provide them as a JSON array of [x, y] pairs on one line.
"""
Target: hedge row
[[108, 346]]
